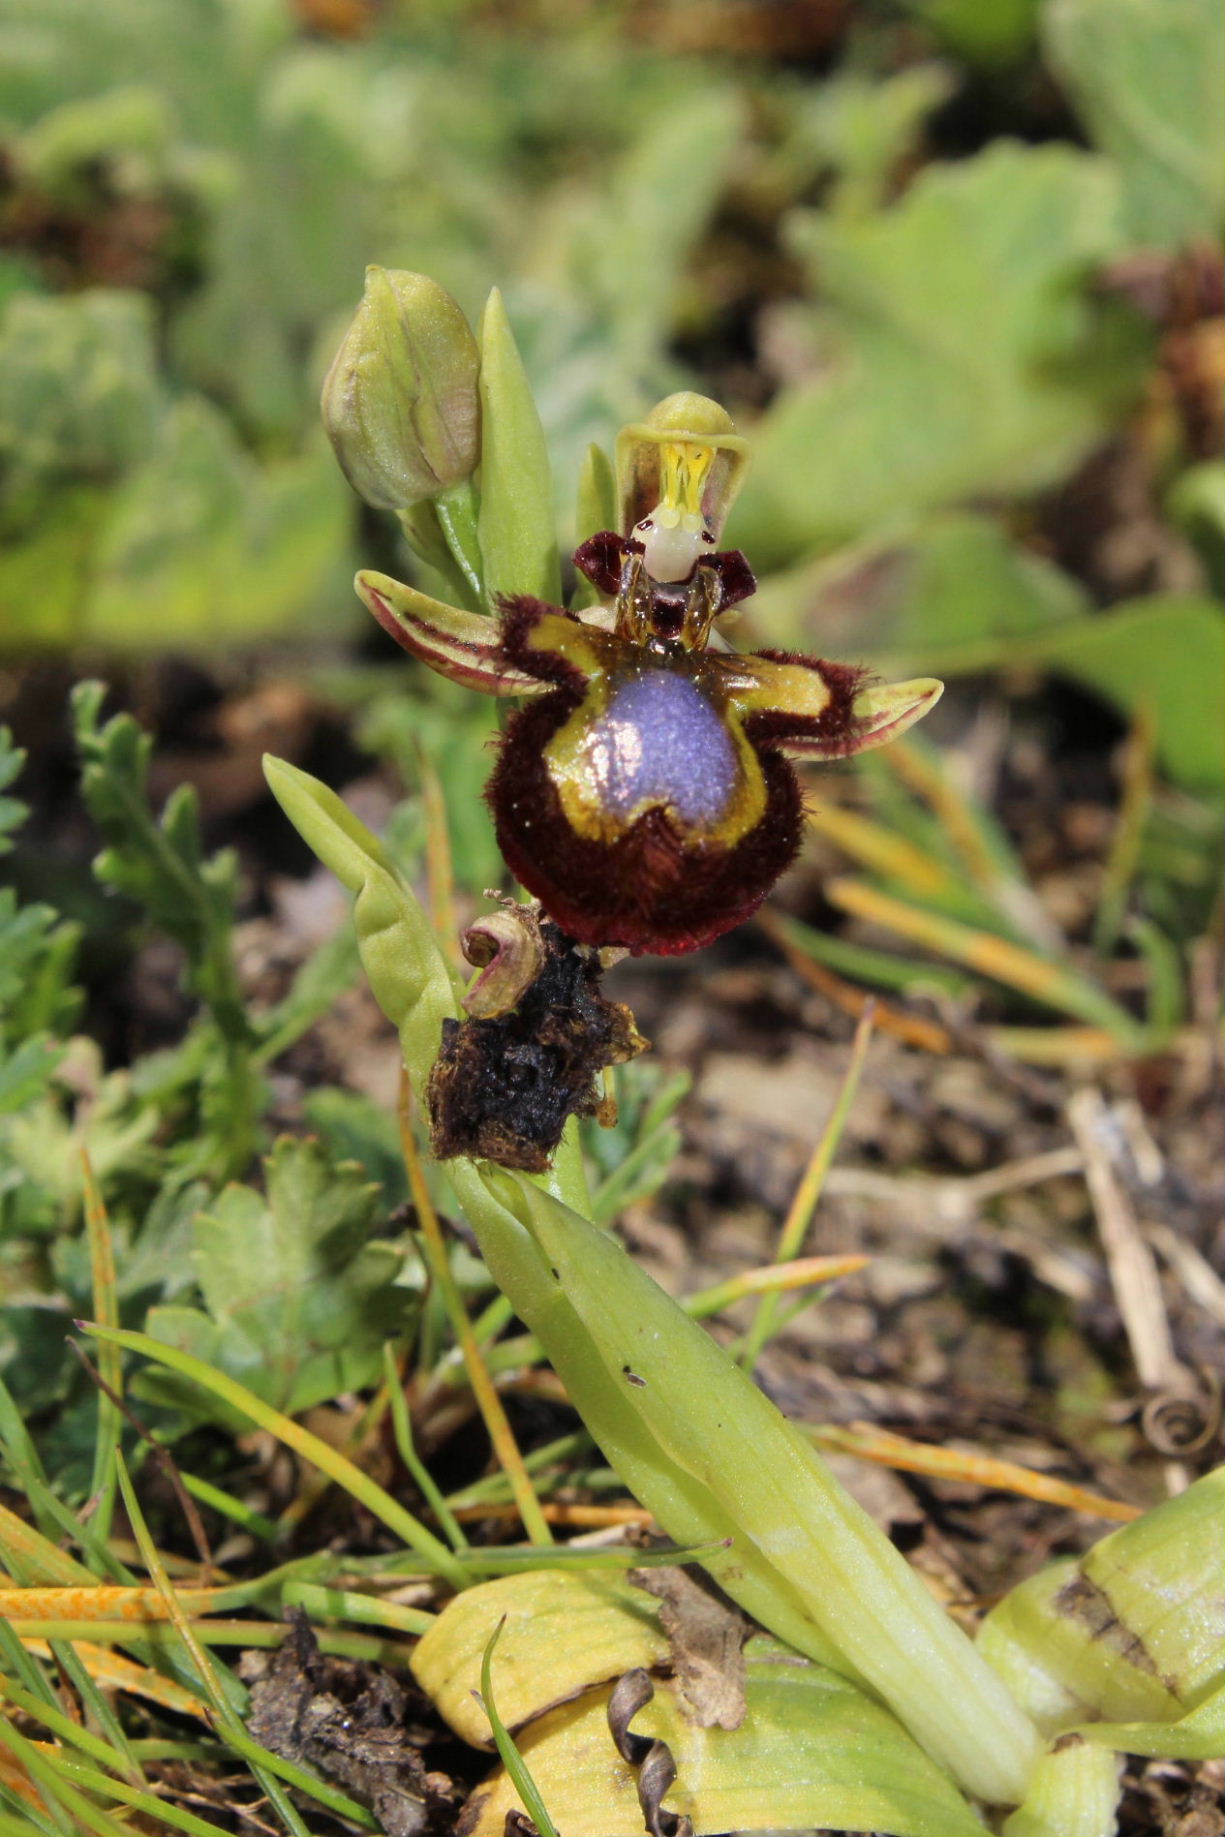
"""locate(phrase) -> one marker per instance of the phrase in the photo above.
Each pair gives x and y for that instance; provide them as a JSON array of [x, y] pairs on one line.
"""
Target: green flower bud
[[400, 402]]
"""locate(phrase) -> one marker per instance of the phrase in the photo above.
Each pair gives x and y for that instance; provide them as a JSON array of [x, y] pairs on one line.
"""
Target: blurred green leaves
[[1147, 77], [37, 956], [79, 393], [129, 513], [961, 353]]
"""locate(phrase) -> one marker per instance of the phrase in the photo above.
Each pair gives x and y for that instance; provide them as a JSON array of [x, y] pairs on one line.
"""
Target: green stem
[[457, 509]]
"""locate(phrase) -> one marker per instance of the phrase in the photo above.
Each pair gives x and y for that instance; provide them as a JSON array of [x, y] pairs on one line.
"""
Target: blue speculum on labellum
[[643, 795]]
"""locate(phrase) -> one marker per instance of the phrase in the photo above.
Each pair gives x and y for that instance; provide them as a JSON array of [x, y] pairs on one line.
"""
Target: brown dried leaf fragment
[[503, 1085], [349, 1721], [707, 1636], [651, 1760]]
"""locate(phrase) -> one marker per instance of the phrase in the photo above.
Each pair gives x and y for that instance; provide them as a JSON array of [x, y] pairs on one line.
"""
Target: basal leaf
[[813, 1751], [561, 1632]]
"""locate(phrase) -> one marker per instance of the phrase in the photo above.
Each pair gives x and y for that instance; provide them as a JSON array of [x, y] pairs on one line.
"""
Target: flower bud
[[400, 402]]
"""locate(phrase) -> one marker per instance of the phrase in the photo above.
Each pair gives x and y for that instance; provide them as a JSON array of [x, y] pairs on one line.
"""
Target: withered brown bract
[[503, 1086]]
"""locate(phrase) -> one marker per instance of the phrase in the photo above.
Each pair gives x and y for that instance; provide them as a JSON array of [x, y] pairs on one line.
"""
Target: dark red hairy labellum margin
[[645, 891]]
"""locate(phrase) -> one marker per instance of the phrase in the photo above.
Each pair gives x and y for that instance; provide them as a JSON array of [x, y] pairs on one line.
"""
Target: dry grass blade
[[771, 1278], [927, 773], [113, 1671], [808, 1193], [911, 1029], [871, 1443], [1052, 984], [873, 846]]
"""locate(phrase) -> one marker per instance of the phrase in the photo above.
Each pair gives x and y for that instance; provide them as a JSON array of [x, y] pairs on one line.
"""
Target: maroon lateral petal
[[837, 725], [736, 578], [646, 891], [600, 559]]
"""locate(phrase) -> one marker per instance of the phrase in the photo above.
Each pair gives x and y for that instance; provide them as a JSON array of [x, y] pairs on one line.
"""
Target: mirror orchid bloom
[[643, 793]]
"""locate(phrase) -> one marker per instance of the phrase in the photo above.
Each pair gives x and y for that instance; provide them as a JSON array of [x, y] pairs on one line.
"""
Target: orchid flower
[[643, 794]]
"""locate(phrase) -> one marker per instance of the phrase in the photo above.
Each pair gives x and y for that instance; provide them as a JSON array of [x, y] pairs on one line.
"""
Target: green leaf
[[861, 126], [45, 573], [955, 592], [37, 957], [79, 394], [326, 975], [201, 545], [1131, 1631], [1072, 1792], [26, 1070], [1148, 76], [801, 1543], [1197, 501], [517, 536], [454, 730], [812, 1751], [992, 36], [407, 972], [13, 812], [562, 1631], [299, 1294], [956, 595], [663, 190], [1199, 1735], [1167, 651], [160, 865], [355, 1128], [963, 352]]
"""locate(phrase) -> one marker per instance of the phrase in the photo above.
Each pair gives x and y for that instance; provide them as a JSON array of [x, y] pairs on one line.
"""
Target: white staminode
[[673, 543]]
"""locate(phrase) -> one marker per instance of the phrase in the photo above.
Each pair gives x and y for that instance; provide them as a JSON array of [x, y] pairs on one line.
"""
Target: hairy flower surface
[[643, 795]]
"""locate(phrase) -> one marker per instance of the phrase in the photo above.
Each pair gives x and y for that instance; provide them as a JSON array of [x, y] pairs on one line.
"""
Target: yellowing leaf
[[812, 1751], [564, 1630]]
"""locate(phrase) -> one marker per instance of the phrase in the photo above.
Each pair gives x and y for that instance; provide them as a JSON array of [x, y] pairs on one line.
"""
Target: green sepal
[[516, 524], [596, 511]]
